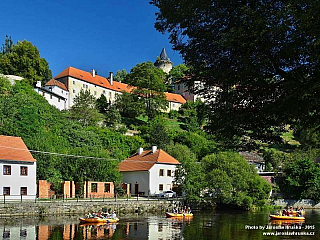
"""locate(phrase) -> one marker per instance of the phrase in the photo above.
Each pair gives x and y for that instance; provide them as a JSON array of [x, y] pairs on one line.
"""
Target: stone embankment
[[75, 207], [306, 203]]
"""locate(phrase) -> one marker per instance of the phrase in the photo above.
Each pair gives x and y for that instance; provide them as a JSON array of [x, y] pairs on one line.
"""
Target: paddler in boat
[[114, 215]]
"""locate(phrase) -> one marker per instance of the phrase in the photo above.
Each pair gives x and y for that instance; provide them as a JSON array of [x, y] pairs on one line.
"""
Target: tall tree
[[84, 109], [23, 59], [263, 55], [110, 113], [149, 83], [120, 76]]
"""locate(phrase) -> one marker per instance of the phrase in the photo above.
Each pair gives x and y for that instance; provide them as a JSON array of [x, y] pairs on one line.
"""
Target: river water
[[215, 225]]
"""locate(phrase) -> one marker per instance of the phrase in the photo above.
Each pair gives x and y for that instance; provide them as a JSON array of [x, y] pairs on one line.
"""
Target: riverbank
[[74, 207]]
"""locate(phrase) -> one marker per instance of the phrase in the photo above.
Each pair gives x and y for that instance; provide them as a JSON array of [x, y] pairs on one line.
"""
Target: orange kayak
[[98, 220], [179, 215], [277, 217]]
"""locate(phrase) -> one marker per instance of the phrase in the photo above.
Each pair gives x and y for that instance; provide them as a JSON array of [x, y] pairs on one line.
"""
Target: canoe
[[277, 217], [98, 220], [178, 215], [297, 213], [286, 222]]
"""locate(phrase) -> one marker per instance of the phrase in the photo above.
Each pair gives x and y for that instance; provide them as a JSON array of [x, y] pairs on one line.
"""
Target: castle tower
[[164, 62]]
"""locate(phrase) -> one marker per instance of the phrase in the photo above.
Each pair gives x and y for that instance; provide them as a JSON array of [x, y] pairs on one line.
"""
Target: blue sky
[[107, 35]]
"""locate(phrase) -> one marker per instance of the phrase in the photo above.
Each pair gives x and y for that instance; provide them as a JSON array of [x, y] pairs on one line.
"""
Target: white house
[[149, 172], [55, 92], [18, 170]]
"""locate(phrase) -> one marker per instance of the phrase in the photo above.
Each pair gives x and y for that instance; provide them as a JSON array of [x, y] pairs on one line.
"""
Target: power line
[[60, 154], [74, 156]]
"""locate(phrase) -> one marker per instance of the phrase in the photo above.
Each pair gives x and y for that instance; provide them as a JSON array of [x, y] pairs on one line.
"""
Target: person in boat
[[189, 210], [185, 209], [114, 216]]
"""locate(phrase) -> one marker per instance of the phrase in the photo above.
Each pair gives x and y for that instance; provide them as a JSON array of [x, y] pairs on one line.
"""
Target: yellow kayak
[[277, 217], [178, 215], [99, 220]]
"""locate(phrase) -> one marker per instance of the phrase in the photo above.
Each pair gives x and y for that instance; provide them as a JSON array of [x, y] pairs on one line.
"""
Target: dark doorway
[[136, 188]]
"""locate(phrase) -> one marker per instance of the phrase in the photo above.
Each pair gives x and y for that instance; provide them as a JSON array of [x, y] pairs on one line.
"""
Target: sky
[[106, 35]]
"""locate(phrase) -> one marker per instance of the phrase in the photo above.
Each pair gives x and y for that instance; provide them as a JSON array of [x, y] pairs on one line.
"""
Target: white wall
[[139, 177], [155, 179], [53, 99], [15, 181], [75, 85], [61, 92]]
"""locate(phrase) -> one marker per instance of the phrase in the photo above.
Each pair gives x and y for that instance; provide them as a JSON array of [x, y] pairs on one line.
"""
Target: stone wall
[[74, 207], [306, 203]]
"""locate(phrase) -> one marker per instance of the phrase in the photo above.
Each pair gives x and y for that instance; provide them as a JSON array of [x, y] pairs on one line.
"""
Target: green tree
[[190, 175], [7, 46], [301, 179], [129, 105], [110, 113], [149, 85], [230, 180], [84, 109], [23, 59], [120, 76], [263, 55], [156, 133]]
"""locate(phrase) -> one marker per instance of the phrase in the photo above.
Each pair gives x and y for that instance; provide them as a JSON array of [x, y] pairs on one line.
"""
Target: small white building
[[18, 170], [55, 92], [149, 172]]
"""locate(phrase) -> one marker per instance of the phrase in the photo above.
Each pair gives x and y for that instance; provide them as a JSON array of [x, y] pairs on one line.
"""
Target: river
[[215, 225]]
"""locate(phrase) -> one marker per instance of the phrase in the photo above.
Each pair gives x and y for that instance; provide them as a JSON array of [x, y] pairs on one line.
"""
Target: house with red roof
[[149, 172], [55, 92], [71, 81], [18, 170]]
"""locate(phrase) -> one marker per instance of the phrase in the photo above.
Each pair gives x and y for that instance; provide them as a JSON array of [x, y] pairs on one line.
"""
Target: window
[[23, 233], [43, 94], [6, 170], [107, 187], [74, 91], [94, 187], [58, 99], [23, 191], [84, 86], [169, 173], [161, 172], [50, 96], [178, 86], [6, 190], [110, 94], [95, 92], [6, 234], [160, 187], [24, 171], [62, 91], [73, 82], [104, 92]]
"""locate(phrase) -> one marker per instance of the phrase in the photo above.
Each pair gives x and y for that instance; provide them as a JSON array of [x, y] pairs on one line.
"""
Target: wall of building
[[75, 85], [155, 179], [44, 189], [15, 181], [59, 91], [137, 177], [100, 193], [53, 100]]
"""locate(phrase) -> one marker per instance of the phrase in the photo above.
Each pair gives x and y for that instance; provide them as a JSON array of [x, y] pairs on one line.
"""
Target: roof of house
[[14, 149], [146, 160], [104, 82], [164, 55], [59, 84], [252, 157]]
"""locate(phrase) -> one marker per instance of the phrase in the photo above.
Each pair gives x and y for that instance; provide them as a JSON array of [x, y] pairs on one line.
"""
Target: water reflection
[[216, 225]]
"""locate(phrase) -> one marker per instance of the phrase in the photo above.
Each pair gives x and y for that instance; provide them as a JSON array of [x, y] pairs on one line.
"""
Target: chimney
[[154, 148], [111, 78], [140, 150], [38, 84], [93, 72]]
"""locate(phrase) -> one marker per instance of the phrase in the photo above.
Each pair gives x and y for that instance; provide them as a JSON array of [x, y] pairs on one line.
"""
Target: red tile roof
[[146, 160], [104, 82], [14, 149], [59, 84]]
